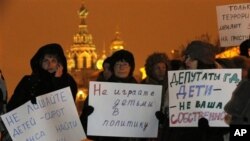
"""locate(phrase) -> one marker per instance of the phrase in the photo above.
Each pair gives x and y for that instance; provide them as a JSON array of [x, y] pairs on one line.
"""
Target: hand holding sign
[[194, 94], [124, 110], [53, 118]]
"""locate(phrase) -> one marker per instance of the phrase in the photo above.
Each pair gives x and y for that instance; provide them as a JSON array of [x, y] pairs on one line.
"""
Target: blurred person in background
[[157, 66], [245, 48], [3, 103]]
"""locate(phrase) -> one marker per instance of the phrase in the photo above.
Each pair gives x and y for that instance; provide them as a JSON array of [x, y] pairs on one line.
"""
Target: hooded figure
[[152, 61], [44, 78], [157, 66]]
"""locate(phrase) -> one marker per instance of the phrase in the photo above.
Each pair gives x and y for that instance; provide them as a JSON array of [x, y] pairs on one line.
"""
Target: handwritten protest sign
[[124, 110], [233, 23], [53, 118], [200, 93]]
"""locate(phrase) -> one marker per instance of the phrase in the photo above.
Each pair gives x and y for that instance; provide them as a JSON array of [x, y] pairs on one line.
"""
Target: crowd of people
[[49, 73]]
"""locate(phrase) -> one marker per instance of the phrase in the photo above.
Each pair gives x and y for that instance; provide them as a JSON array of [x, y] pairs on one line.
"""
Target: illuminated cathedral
[[82, 58]]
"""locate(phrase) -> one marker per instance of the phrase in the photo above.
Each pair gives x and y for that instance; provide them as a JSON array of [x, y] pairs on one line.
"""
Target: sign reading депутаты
[[200, 93], [124, 110], [53, 118]]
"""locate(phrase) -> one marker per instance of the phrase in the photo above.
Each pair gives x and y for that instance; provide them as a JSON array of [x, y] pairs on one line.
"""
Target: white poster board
[[123, 109], [53, 118], [200, 93], [233, 23]]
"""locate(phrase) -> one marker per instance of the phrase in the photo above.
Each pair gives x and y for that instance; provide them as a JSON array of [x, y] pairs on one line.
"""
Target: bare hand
[[59, 71], [228, 119]]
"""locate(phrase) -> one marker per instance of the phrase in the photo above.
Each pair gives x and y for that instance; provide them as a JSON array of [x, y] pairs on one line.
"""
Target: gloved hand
[[203, 123], [88, 110], [160, 116]]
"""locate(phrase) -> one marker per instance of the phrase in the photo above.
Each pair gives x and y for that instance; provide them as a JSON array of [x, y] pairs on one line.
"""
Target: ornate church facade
[[82, 58]]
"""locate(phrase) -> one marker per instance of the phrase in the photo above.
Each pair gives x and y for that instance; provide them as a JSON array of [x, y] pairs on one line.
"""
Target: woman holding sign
[[199, 55], [122, 66], [49, 73]]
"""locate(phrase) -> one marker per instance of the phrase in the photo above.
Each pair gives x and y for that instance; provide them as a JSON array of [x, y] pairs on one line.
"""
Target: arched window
[[92, 62], [84, 65], [76, 62]]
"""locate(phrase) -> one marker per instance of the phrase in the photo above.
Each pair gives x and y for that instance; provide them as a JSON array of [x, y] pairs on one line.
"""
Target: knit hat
[[123, 55], [244, 46], [201, 51]]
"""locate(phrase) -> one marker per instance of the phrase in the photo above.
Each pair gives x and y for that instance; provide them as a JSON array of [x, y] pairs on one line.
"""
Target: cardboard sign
[[53, 118], [233, 23], [200, 93], [124, 110]]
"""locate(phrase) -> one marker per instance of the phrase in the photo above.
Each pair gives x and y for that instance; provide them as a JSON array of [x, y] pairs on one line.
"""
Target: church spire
[[83, 13], [117, 43], [83, 51]]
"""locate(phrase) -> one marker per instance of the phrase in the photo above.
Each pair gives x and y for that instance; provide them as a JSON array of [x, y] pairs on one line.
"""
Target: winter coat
[[87, 110], [165, 96], [40, 81], [239, 104], [129, 79], [3, 99]]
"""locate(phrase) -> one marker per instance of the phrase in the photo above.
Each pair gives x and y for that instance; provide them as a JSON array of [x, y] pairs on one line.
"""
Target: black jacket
[[40, 81]]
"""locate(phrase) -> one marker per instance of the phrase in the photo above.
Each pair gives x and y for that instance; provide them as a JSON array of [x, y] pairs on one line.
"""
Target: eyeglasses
[[122, 64]]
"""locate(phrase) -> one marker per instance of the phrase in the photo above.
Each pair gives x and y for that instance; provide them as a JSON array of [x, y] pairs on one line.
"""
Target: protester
[[106, 73], [243, 63], [245, 48], [156, 66], [3, 94], [49, 73], [199, 55], [3, 102], [122, 67], [238, 107]]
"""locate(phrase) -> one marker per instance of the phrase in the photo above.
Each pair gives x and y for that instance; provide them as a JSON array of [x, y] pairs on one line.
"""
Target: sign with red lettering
[[194, 94], [123, 109], [233, 23], [53, 118]]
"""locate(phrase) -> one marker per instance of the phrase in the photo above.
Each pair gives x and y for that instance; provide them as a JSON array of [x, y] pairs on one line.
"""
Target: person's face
[[106, 71], [121, 69], [50, 63], [159, 71], [191, 63]]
